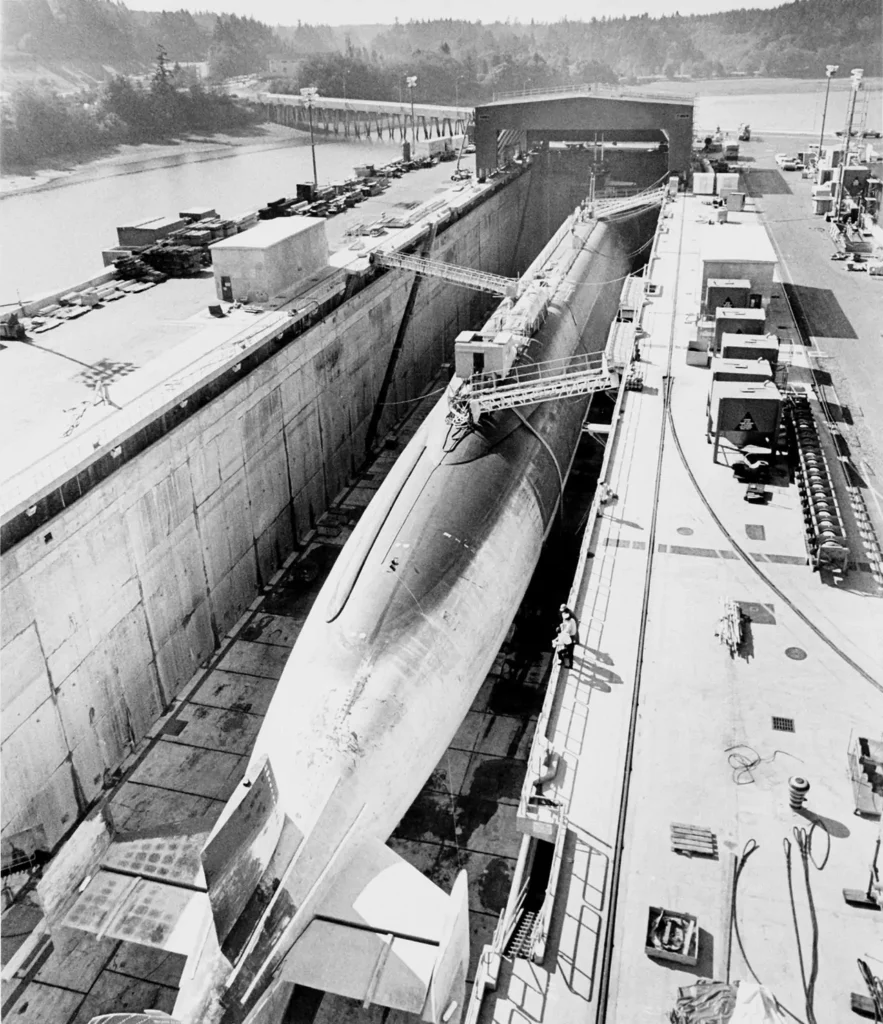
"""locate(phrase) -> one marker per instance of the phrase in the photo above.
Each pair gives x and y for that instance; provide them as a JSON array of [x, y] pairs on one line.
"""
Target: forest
[[454, 61], [796, 39]]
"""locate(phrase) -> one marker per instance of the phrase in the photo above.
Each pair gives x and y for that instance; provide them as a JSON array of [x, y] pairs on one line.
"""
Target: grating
[[783, 724]]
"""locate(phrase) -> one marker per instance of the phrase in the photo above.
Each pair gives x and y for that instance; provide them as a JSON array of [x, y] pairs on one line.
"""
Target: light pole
[[310, 94], [830, 71], [411, 82], [856, 76]]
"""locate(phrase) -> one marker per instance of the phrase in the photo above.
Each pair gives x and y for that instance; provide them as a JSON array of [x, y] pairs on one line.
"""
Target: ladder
[[519, 944], [477, 280], [609, 207], [526, 385]]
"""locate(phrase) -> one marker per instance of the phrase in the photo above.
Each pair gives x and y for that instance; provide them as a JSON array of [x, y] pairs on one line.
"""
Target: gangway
[[609, 207], [477, 280], [528, 384]]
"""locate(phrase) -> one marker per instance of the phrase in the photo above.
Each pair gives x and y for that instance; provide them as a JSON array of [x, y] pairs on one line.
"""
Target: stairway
[[519, 943]]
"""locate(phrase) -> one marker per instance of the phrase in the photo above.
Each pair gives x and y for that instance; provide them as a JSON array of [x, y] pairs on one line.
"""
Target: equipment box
[[672, 936]]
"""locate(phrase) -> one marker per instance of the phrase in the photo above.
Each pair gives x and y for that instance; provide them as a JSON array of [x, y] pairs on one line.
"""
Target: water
[[53, 238]]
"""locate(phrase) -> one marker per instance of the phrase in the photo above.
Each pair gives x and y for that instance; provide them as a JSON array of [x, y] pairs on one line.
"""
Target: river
[[53, 238]]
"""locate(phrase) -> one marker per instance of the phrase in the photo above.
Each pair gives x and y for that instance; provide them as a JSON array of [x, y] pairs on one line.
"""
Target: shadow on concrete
[[765, 183], [818, 312], [596, 676], [835, 829]]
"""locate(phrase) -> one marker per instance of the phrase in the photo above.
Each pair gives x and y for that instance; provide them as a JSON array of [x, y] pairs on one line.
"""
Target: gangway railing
[[528, 384], [477, 280], [609, 207]]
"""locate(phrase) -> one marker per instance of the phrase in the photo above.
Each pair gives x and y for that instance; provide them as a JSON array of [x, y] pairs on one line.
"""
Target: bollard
[[798, 787]]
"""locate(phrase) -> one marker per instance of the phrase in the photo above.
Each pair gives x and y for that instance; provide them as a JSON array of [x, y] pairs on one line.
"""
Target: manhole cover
[[795, 653], [685, 531]]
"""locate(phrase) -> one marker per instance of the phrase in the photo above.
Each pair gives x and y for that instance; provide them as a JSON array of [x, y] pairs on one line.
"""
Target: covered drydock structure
[[527, 121]]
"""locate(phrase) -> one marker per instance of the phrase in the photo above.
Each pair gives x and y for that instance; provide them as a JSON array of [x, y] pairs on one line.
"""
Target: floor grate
[[783, 724]]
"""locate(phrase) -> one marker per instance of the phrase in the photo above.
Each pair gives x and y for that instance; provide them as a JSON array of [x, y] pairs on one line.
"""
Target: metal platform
[[582, 374]]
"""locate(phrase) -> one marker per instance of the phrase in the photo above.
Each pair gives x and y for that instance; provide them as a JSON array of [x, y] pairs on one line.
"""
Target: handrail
[[540, 931]]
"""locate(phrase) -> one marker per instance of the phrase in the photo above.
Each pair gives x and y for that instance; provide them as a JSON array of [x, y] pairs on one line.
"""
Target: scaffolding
[[602, 208], [476, 280], [528, 384]]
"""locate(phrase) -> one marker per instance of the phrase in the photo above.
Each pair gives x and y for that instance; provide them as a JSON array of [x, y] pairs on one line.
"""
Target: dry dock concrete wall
[[110, 608]]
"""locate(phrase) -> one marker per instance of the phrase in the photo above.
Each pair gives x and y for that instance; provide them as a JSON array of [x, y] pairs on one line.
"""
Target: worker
[[568, 621], [563, 646]]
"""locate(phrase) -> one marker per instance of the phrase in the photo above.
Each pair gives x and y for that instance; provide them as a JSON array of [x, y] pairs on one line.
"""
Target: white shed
[[269, 259]]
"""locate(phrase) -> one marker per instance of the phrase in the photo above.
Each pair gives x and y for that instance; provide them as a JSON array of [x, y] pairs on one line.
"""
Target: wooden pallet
[[693, 840]]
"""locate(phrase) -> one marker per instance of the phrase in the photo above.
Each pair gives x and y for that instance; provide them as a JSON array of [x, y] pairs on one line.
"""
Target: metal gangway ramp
[[477, 280], [601, 208], [528, 384]]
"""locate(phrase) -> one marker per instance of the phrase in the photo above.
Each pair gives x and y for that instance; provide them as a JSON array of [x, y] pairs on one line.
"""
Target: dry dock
[[658, 725]]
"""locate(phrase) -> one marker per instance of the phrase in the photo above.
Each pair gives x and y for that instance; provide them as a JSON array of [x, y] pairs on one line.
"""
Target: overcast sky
[[358, 12]]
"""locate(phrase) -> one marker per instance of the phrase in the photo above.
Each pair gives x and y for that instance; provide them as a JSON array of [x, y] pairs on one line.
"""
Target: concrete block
[[260, 423], [234, 592], [40, 1003], [164, 507], [267, 477], [109, 702], [18, 610], [185, 650], [30, 756], [173, 583], [274, 545], [224, 530], [304, 447], [25, 680], [174, 766]]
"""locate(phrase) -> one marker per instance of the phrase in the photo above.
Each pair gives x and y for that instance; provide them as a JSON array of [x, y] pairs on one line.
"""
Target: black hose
[[749, 848]]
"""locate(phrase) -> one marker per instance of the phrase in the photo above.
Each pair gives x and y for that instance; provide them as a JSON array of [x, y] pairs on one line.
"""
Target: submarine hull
[[418, 604]]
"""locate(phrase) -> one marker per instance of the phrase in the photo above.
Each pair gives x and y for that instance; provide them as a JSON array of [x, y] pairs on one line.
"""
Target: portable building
[[742, 251], [268, 259], [723, 291], [730, 320], [750, 346], [744, 413]]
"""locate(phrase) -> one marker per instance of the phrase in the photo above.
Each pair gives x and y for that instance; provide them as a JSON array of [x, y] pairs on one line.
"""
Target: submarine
[[293, 887]]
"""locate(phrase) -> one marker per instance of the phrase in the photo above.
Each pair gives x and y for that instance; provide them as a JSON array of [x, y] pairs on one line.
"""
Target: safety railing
[[544, 919]]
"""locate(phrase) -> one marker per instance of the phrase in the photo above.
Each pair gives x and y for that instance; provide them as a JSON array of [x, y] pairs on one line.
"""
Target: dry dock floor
[[195, 755], [706, 749]]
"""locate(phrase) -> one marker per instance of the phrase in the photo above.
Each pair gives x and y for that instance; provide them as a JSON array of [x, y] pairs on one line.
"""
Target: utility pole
[[830, 71], [412, 85], [856, 75], [310, 94]]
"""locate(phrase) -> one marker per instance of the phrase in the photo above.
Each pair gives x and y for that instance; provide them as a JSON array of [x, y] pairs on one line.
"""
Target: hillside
[[83, 41]]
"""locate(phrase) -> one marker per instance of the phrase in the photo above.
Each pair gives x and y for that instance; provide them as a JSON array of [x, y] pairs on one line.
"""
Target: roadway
[[840, 312]]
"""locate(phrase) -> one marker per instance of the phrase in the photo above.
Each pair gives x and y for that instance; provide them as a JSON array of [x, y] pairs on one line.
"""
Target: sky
[[357, 12]]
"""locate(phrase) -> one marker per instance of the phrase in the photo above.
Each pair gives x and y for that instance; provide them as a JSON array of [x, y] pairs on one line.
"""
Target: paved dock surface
[[59, 383], [656, 700], [840, 312]]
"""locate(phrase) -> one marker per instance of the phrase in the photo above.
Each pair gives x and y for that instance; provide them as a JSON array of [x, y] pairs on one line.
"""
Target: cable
[[743, 765], [748, 849], [759, 572], [809, 984]]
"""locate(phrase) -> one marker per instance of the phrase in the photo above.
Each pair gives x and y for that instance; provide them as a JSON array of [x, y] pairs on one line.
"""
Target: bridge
[[364, 118]]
